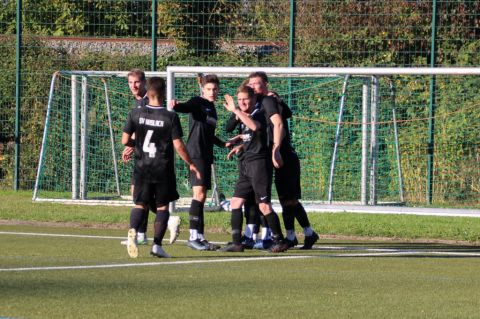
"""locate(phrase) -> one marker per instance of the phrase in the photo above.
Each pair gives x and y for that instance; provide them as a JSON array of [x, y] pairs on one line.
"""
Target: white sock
[[155, 248], [249, 230], [308, 231], [255, 236], [193, 234], [266, 233], [290, 234], [140, 236], [200, 236]]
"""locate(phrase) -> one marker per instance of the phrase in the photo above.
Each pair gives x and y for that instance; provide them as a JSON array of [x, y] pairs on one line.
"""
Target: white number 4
[[149, 147]]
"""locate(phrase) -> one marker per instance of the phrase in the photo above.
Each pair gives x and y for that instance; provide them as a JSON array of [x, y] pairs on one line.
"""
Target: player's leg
[[236, 222], [164, 193], [252, 220], [137, 215], [287, 182], [261, 179], [159, 230], [195, 215], [242, 189]]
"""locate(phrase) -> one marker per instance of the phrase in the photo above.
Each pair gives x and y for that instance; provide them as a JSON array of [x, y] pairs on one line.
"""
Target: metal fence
[[40, 37]]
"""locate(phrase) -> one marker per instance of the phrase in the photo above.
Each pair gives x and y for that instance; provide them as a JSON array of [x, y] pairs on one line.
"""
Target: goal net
[[363, 135]]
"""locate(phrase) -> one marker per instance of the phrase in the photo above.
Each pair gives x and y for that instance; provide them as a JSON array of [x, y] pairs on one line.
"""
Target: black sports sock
[[237, 221], [263, 221], [160, 226], [274, 223], [251, 213], [194, 214], [144, 224], [301, 215], [201, 218], [137, 217], [288, 217]]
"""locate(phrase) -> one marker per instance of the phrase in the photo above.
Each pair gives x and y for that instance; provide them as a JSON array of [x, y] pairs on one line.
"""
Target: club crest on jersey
[[149, 122]]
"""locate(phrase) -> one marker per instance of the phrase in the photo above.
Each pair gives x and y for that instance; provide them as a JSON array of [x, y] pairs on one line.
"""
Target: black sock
[[251, 213], [194, 214], [301, 215], [144, 225], [137, 217], [201, 219], [274, 223], [237, 221], [160, 226], [288, 217], [263, 221]]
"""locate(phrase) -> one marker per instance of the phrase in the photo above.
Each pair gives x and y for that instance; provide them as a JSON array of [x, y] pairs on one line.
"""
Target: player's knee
[[236, 202], [265, 208], [199, 193]]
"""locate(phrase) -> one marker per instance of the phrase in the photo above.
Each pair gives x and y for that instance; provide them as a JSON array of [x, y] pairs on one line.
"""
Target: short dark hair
[[209, 78], [259, 74], [138, 73], [158, 86], [246, 89]]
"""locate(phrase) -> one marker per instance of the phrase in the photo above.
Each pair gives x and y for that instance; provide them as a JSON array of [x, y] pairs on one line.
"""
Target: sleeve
[[129, 127], [186, 107], [177, 132], [270, 106], [217, 141], [231, 123]]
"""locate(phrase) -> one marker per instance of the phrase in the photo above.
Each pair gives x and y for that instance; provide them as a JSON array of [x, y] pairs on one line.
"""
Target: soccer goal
[[363, 135]]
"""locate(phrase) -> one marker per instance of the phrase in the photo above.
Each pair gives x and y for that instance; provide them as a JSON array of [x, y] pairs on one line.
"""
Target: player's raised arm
[[242, 116]]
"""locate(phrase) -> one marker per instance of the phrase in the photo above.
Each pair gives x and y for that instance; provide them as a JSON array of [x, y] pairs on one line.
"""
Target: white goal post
[[72, 92]]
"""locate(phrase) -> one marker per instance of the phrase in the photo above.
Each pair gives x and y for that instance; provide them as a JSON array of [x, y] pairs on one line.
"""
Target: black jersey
[[140, 103], [271, 106], [155, 129], [202, 124], [255, 142]]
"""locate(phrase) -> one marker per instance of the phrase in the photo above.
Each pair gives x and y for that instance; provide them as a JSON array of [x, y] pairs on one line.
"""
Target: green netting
[[117, 35], [315, 102]]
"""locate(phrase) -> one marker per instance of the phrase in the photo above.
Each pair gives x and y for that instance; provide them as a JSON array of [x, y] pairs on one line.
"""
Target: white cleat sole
[[132, 247], [174, 228]]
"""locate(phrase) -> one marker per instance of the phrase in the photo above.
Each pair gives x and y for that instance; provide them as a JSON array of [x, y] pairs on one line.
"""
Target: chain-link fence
[[119, 35]]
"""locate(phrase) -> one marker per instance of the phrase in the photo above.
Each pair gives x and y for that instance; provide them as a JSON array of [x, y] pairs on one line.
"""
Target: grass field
[[52, 276], [75, 267]]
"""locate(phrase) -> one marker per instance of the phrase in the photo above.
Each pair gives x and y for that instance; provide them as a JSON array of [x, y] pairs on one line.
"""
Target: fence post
[[18, 95], [431, 109], [291, 48], [153, 62]]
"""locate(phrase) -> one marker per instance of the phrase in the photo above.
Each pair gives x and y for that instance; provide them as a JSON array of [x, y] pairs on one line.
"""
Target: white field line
[[185, 262], [369, 252], [60, 235]]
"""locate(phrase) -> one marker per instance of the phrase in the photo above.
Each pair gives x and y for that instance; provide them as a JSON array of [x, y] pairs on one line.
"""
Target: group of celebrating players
[[262, 146]]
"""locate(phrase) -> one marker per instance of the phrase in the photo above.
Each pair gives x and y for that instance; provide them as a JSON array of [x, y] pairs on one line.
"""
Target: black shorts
[[287, 178], [254, 176], [205, 171], [145, 193]]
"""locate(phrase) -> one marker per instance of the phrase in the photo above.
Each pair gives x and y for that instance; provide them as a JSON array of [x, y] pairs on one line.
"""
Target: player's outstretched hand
[[172, 104], [237, 149], [127, 153], [234, 140], [277, 157], [229, 103], [194, 169]]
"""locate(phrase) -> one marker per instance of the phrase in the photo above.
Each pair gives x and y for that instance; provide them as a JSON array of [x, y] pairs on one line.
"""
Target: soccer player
[[137, 85], [255, 172], [287, 167], [201, 138], [158, 132], [253, 217]]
